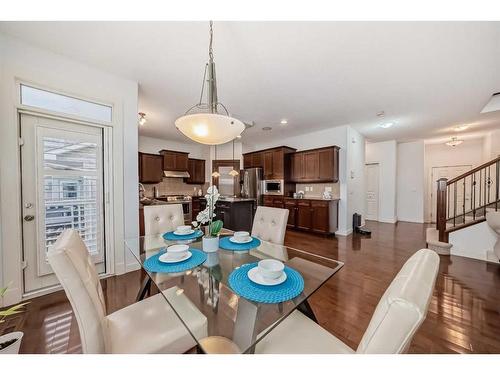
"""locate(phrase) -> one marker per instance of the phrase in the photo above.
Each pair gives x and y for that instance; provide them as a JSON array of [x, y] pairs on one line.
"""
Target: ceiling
[[426, 76]]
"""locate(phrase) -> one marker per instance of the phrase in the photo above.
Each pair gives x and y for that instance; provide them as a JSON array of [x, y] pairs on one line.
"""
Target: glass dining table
[[230, 318]]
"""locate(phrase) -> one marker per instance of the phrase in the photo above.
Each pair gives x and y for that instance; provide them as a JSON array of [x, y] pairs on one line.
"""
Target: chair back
[[73, 266], [162, 218], [269, 224], [403, 307]]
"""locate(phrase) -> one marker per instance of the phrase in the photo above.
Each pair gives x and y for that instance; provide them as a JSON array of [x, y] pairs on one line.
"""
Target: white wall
[[334, 136], [470, 152], [196, 150], [385, 153], [20, 61], [355, 174], [410, 181], [491, 145]]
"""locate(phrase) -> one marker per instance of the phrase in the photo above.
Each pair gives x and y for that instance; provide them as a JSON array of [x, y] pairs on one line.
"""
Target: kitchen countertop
[[233, 199], [314, 199]]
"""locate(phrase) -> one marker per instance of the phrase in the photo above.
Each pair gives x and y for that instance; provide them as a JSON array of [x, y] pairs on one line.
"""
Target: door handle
[[29, 218]]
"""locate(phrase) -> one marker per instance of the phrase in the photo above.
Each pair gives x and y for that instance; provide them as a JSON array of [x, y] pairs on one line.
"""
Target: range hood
[[178, 174]]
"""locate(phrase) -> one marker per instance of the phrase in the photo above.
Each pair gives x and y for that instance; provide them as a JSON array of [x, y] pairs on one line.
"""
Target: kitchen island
[[236, 213]]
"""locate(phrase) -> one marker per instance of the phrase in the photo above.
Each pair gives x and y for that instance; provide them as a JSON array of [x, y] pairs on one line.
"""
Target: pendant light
[[233, 172], [215, 174], [202, 122], [454, 142]]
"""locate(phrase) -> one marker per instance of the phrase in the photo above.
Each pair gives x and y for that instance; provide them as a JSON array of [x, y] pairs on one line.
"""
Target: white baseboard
[[410, 220], [134, 266], [13, 295], [389, 220], [343, 232]]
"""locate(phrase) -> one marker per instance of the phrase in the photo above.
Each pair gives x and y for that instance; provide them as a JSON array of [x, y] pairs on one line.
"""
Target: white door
[[448, 173], [62, 187], [372, 191]]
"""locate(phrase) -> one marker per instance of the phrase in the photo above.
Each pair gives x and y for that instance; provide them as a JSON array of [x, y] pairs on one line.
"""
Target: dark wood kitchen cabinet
[[273, 161], [196, 170], [236, 214], [312, 215], [318, 165], [291, 206], [175, 160], [150, 168], [276, 201], [320, 217], [304, 215]]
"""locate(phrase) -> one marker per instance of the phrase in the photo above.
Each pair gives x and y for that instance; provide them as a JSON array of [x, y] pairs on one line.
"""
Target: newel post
[[441, 209]]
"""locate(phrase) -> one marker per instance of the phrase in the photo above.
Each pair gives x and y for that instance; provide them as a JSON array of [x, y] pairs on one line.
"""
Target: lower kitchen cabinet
[[313, 215], [236, 214]]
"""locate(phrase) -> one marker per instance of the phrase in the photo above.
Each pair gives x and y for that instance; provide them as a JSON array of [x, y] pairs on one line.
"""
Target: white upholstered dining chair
[[148, 326], [269, 224], [159, 219], [398, 315], [162, 218]]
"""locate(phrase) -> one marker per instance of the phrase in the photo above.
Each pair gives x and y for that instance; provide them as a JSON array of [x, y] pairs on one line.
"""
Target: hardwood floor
[[464, 315]]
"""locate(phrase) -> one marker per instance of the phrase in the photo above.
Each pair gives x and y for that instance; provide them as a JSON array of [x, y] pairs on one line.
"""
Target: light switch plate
[[328, 189], [307, 188]]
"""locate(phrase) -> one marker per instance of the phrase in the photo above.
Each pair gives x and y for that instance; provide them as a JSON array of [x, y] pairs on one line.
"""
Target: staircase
[[464, 200]]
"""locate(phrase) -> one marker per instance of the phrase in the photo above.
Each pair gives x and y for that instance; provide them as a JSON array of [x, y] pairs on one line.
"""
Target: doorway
[[447, 172], [372, 178], [227, 184], [62, 177]]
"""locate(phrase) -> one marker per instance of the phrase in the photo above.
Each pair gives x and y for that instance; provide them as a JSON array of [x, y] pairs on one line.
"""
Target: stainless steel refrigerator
[[251, 184]]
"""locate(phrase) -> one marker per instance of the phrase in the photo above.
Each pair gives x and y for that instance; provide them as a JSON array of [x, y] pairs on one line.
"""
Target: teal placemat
[[170, 236], [225, 244], [246, 288], [153, 264]]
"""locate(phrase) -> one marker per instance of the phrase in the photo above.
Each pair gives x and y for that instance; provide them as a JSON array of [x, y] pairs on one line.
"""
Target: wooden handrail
[[472, 171], [478, 179]]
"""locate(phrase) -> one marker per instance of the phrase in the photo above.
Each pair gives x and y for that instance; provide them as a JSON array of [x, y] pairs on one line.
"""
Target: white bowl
[[241, 236], [183, 228], [271, 268], [177, 251]]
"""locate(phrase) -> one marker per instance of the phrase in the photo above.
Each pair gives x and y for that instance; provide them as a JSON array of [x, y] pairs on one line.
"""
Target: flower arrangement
[[10, 340], [208, 214]]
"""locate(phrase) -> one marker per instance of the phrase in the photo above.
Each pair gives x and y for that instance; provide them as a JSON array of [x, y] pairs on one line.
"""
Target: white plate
[[166, 258], [191, 231], [256, 277], [233, 240]]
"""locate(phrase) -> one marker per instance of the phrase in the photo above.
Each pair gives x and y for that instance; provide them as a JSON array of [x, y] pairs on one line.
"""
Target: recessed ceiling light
[[386, 125], [267, 128], [460, 128], [381, 114], [283, 122]]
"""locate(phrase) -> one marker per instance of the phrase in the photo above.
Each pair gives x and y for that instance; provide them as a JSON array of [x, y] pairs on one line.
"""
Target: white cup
[[241, 236], [271, 268], [183, 228], [177, 251]]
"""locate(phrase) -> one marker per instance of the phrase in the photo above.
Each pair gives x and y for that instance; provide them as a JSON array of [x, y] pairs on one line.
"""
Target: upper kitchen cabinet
[[273, 162], [175, 160], [196, 169], [150, 168], [318, 165]]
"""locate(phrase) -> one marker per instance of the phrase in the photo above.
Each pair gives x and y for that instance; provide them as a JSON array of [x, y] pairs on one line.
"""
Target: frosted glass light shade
[[209, 128]]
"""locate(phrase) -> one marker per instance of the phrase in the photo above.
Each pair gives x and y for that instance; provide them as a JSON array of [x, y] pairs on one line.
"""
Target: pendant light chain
[[210, 51]]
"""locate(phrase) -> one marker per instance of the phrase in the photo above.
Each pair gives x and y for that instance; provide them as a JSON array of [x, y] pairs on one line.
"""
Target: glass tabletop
[[234, 323]]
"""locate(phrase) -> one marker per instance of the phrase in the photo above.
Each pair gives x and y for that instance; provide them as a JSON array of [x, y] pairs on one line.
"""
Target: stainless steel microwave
[[273, 187]]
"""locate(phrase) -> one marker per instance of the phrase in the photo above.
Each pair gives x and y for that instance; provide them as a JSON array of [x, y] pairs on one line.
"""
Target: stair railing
[[465, 199]]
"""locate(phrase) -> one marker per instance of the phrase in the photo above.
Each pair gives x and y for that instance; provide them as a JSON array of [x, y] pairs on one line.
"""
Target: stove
[[185, 200]]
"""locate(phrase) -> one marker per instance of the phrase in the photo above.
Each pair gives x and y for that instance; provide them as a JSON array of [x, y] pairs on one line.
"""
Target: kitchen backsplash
[[318, 189], [174, 186]]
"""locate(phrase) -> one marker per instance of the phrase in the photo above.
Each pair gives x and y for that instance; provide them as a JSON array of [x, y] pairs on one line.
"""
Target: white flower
[[212, 196]]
